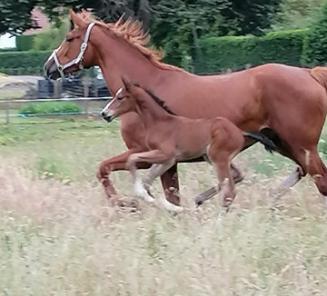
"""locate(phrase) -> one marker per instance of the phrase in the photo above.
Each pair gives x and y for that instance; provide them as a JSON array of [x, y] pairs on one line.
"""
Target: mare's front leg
[[116, 163], [170, 185]]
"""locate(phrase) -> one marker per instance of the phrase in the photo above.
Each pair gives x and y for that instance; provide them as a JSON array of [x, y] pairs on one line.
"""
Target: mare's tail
[[320, 74], [268, 144]]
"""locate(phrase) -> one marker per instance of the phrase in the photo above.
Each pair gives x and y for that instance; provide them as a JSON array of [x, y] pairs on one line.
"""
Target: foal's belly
[[188, 155]]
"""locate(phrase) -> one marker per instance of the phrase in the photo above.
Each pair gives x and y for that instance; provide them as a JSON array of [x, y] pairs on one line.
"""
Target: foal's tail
[[267, 143], [320, 74]]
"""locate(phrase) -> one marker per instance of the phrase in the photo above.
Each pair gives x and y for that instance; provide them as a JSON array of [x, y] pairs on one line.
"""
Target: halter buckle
[[83, 46]]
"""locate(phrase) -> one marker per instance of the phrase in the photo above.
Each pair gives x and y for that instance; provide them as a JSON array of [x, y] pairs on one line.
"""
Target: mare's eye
[[120, 98]]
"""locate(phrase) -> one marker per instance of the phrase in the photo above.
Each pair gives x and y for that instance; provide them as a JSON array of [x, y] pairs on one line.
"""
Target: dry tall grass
[[63, 239]]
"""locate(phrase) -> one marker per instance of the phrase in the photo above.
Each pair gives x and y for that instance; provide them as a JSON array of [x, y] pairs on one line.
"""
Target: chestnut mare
[[170, 138], [287, 104]]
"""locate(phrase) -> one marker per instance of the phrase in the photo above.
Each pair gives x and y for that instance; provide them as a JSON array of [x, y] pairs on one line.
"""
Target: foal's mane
[[132, 32], [159, 101]]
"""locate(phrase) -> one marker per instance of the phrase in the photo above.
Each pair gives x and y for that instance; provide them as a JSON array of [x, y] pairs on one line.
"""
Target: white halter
[[79, 59]]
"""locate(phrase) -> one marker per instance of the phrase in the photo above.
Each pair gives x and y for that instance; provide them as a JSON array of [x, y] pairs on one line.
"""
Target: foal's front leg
[[155, 171], [151, 157], [161, 163], [112, 164]]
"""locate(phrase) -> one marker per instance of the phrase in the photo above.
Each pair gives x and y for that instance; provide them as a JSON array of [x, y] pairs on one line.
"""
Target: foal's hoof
[[128, 203], [227, 203], [125, 203]]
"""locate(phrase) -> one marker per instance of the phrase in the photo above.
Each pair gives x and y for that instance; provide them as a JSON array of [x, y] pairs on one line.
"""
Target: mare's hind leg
[[314, 166], [287, 150]]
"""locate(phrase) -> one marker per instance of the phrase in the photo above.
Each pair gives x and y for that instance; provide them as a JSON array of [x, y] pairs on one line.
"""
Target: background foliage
[[235, 52], [315, 45], [199, 35]]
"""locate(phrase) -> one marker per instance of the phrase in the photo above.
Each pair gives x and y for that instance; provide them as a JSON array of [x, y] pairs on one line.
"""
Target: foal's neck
[[117, 58], [150, 111]]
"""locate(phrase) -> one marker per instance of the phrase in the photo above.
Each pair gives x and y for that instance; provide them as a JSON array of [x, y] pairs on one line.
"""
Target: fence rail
[[9, 112]]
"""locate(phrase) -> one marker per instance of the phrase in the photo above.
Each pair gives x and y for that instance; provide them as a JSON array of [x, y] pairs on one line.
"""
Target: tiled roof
[[41, 20]]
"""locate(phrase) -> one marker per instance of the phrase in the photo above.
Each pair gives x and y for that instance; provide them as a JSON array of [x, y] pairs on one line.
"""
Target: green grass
[[50, 108], [58, 236]]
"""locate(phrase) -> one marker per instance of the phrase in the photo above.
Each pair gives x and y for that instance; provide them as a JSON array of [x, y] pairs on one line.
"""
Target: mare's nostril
[[103, 114]]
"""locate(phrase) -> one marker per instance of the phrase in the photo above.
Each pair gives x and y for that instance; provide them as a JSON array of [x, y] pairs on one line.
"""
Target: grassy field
[[59, 237]]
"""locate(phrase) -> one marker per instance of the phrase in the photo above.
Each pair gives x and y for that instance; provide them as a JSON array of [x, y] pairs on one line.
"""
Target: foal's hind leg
[[211, 192], [226, 183]]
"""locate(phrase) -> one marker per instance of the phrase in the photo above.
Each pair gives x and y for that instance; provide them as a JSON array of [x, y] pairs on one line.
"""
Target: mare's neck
[[117, 58]]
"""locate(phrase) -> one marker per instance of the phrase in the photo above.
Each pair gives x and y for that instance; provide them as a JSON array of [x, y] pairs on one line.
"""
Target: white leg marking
[[307, 158], [169, 206], [141, 192]]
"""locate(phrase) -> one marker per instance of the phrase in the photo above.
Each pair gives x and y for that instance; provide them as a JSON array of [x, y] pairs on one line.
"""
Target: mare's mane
[[132, 32]]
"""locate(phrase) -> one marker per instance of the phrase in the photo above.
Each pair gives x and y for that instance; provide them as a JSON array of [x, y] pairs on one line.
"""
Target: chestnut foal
[[171, 138]]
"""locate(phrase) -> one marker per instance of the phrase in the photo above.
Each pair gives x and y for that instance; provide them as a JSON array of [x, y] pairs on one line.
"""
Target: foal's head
[[76, 51], [124, 101]]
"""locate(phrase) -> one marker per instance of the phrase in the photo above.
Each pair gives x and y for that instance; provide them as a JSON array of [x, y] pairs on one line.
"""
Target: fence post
[[56, 88], [87, 82], [7, 107]]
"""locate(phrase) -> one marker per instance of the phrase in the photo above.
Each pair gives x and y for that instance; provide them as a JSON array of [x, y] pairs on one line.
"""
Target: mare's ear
[[127, 83], [77, 20]]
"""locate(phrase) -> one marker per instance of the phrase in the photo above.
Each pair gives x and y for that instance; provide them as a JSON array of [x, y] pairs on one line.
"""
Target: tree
[[296, 14], [177, 26], [315, 44], [15, 15], [248, 16]]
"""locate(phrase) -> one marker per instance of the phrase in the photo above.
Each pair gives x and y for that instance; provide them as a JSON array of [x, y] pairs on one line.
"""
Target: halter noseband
[[79, 59]]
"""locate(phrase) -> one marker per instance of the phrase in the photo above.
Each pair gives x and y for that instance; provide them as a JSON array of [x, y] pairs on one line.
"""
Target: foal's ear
[[77, 19], [127, 84]]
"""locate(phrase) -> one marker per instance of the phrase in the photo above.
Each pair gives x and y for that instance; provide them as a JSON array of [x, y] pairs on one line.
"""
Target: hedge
[[28, 61], [50, 108], [221, 53], [24, 42], [218, 53], [315, 43]]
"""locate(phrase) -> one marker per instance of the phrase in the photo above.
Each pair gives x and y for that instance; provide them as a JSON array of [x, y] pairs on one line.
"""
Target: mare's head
[[75, 52], [80, 48], [124, 101]]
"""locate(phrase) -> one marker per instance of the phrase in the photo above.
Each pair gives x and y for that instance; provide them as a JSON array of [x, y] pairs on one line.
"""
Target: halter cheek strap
[[79, 59]]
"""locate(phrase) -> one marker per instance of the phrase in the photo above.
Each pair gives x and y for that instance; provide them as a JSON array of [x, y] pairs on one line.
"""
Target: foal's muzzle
[[107, 117]]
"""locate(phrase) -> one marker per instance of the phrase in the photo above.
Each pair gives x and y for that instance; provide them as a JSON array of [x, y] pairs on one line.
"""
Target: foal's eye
[[120, 98]]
